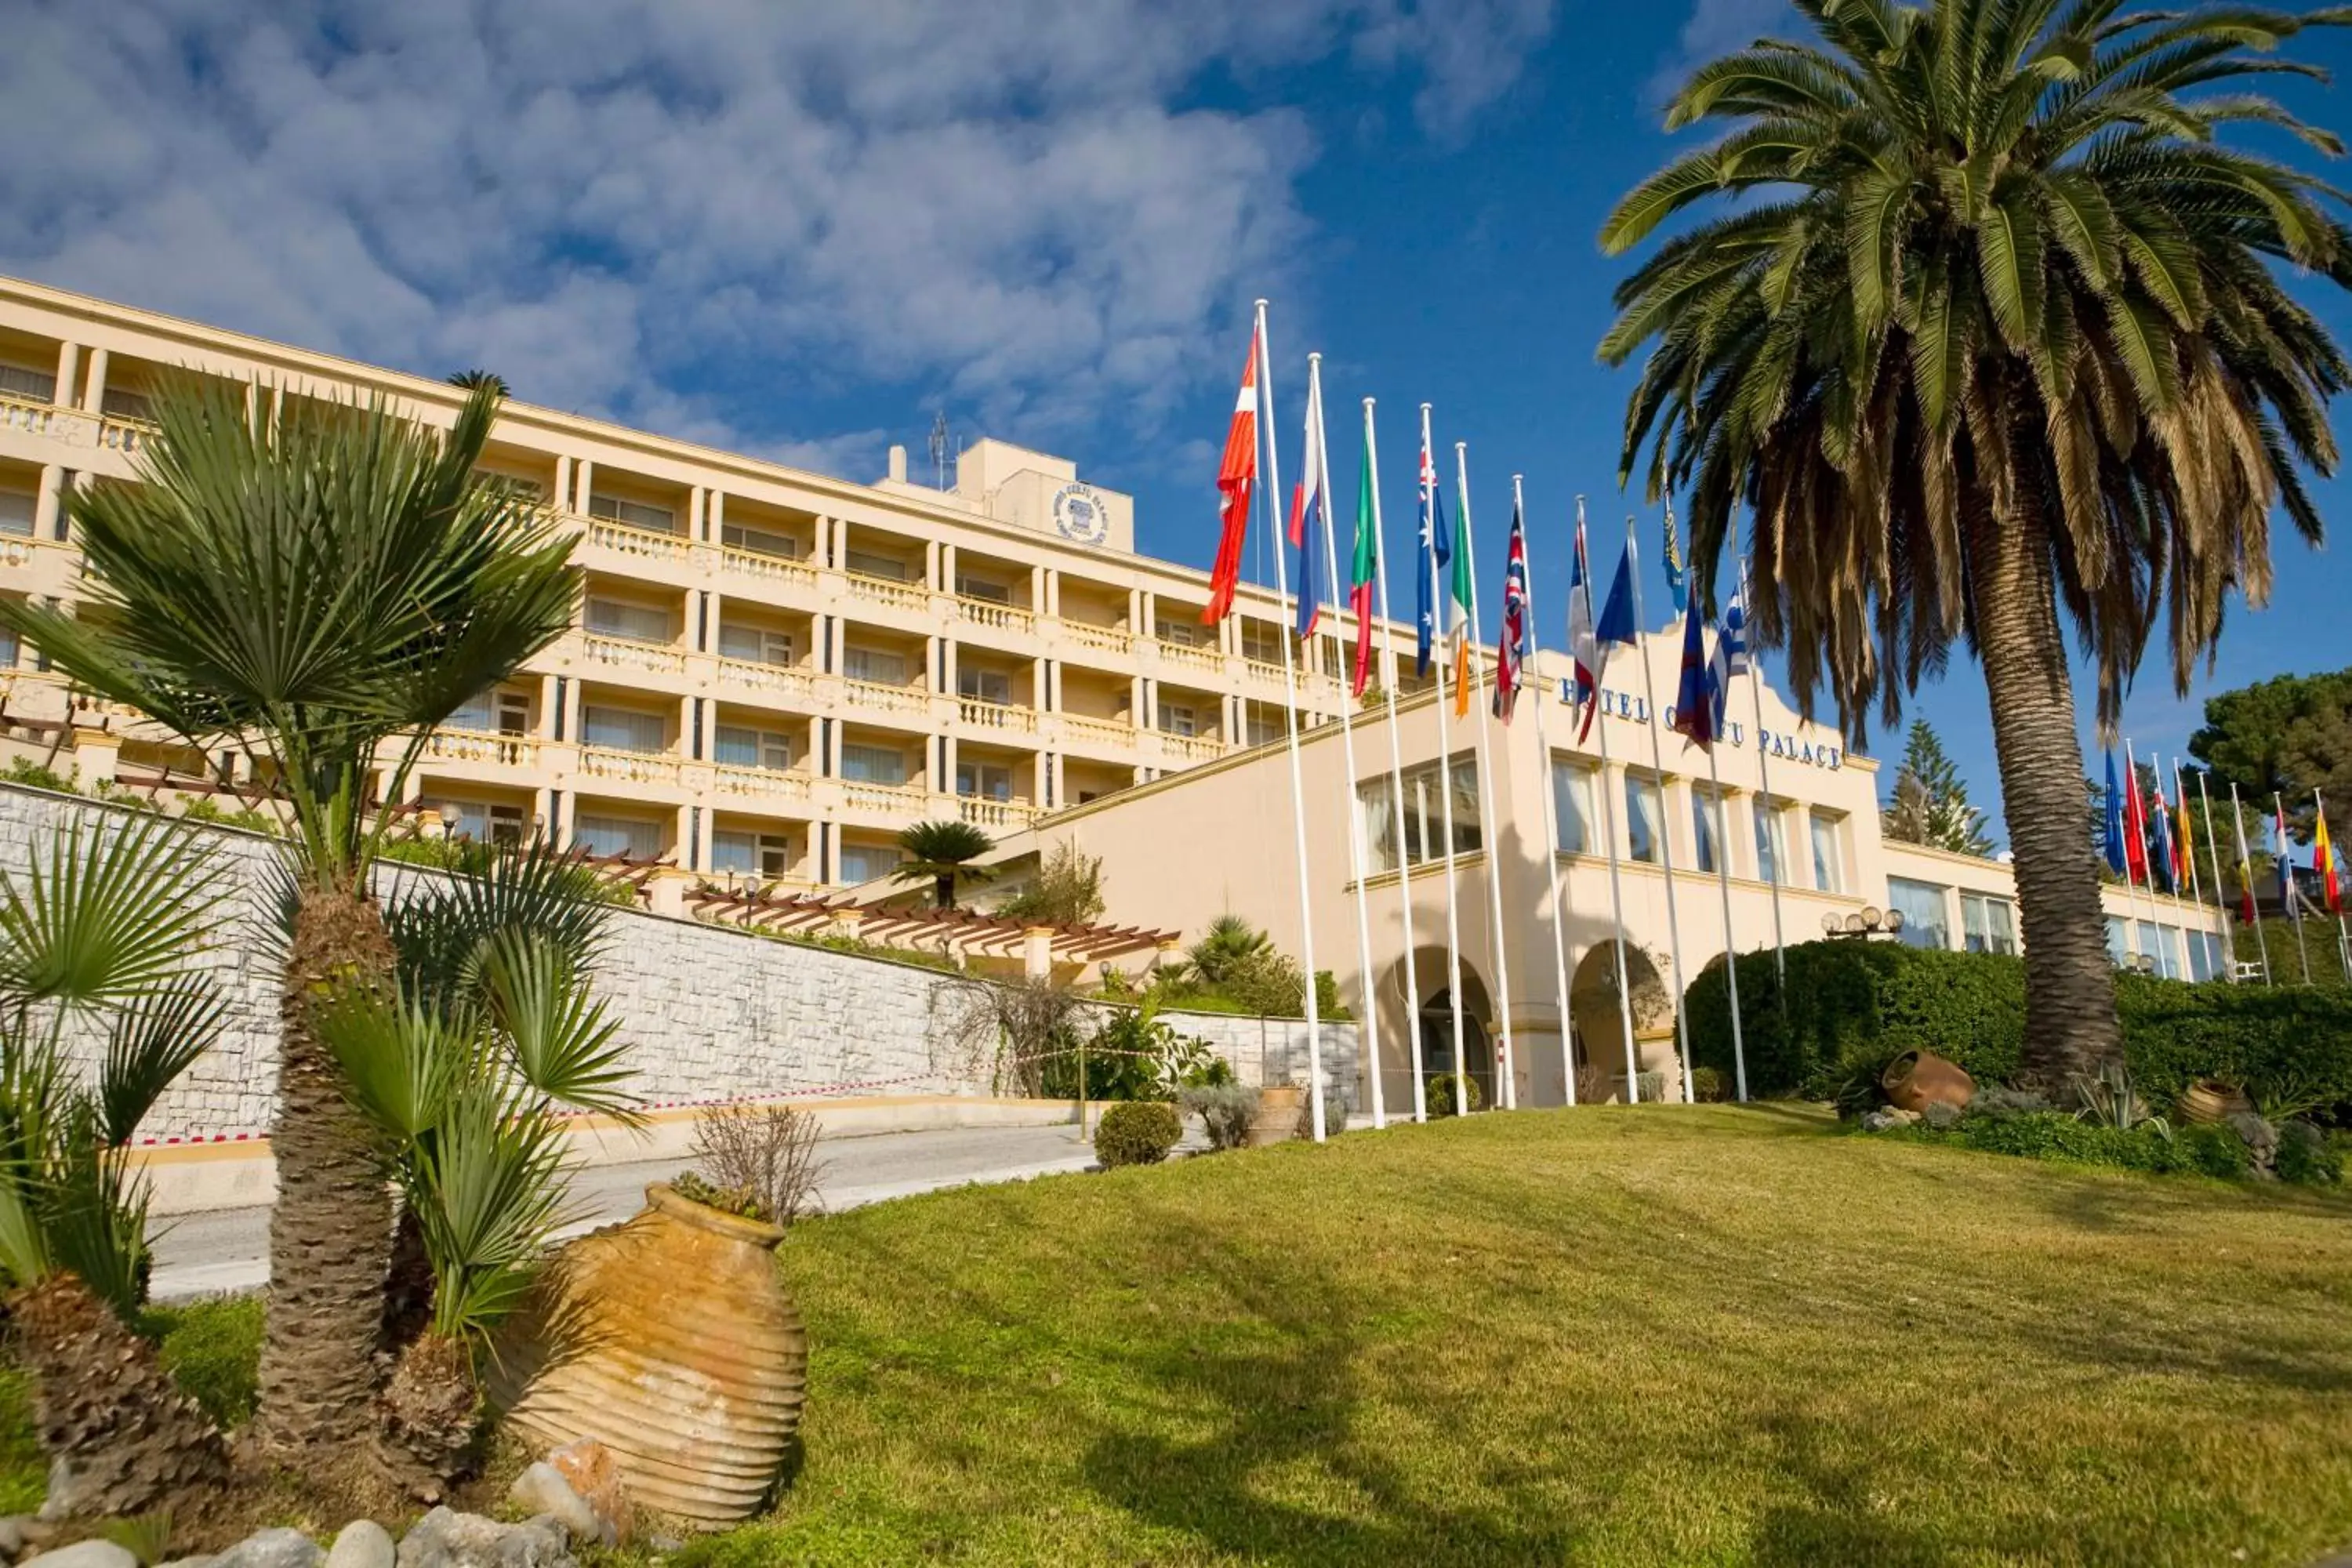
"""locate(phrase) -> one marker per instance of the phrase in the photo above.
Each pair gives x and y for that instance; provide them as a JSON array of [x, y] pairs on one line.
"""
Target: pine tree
[[1929, 804]]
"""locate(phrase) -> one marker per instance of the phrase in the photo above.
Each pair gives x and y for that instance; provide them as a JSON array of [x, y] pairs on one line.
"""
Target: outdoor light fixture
[[1865, 922]]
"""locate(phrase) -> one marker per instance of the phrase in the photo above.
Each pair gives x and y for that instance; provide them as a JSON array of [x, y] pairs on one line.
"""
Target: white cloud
[[1717, 27], [622, 204]]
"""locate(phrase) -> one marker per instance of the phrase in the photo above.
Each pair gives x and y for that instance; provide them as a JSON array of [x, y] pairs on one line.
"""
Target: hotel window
[[754, 644], [1644, 816], [16, 511], [867, 862], [983, 685], [618, 836], [865, 563], [873, 764], [2200, 955], [759, 541], [624, 730], [1921, 905], [125, 405], [2156, 953], [1261, 729], [1261, 643], [1425, 815], [494, 712], [750, 854], [1772, 838], [1571, 801], [1703, 825], [11, 650], [633, 514], [984, 781], [611, 618], [1376, 821], [1988, 924], [742, 746], [1177, 718], [982, 589], [873, 665], [515, 484], [21, 380], [1829, 866], [2118, 949], [1183, 634], [482, 823]]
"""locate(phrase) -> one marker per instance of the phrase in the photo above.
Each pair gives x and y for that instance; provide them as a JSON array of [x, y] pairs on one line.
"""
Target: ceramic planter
[[1278, 1115], [1917, 1079]]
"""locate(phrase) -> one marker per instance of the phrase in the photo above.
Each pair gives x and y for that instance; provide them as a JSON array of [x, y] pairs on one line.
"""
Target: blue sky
[[800, 228]]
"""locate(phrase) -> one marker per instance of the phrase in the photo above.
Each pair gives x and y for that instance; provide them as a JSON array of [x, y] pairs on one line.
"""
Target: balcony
[[1000, 717], [983, 813], [884, 698], [1191, 748], [761, 784], [17, 552], [628, 653], [1098, 639], [118, 433], [481, 746], [772, 679], [889, 592], [1207, 660], [1263, 671], [628, 767], [765, 568], [1084, 731], [640, 543], [996, 617], [894, 799], [35, 418]]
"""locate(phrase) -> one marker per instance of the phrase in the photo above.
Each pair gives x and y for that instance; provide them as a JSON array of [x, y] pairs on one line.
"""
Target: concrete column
[[1135, 712], [1061, 778], [69, 368], [1037, 952], [1053, 604], [546, 712], [839, 634], [715, 534], [946, 784], [715, 618], [951, 666], [833, 749], [684, 837], [95, 398], [1041, 694], [947, 568], [572, 720], [45, 506], [932, 551], [1042, 792], [542, 809], [1134, 626], [702, 842], [95, 756], [694, 503], [1037, 590], [583, 485], [567, 817], [1146, 614], [560, 496]]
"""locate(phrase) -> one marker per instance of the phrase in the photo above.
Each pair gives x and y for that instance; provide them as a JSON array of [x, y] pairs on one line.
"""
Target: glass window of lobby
[[1424, 814]]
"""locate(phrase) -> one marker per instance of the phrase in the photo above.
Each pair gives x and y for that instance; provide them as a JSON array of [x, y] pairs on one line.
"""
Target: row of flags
[[2148, 842]]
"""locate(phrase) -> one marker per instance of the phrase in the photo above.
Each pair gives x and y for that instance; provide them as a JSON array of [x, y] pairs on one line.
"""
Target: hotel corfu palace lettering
[[1795, 748]]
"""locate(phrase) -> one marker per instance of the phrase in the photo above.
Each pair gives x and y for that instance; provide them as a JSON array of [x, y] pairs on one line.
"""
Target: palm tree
[[476, 379], [1230, 943], [940, 853], [312, 589], [1994, 325]]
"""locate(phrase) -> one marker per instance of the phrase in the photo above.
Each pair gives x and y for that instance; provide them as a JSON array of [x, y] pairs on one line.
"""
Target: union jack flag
[[1511, 652]]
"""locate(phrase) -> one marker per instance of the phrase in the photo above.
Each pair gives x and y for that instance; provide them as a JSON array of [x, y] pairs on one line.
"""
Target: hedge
[[1853, 1004]]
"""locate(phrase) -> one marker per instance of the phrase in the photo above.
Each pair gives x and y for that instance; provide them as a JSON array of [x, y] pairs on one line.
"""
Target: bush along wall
[[2290, 1047]]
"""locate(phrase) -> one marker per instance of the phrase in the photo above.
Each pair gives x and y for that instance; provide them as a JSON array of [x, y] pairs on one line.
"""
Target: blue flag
[[1435, 550], [2114, 847], [1617, 613], [1696, 698]]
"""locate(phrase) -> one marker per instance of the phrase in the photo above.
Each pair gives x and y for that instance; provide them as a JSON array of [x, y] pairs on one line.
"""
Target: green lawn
[[1599, 1336]]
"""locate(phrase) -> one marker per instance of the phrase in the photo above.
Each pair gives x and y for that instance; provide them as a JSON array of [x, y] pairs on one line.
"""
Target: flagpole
[[1616, 889], [1730, 948], [1396, 782], [1507, 1091], [1444, 783], [1290, 712], [2131, 792], [2246, 876], [2327, 875], [2213, 856], [2292, 894], [1665, 817], [1764, 785], [2188, 850], [1356, 859], [1551, 804]]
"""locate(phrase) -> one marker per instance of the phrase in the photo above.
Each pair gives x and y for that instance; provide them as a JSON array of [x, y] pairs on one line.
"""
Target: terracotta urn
[[2208, 1100], [1277, 1114], [670, 1340], [1917, 1079]]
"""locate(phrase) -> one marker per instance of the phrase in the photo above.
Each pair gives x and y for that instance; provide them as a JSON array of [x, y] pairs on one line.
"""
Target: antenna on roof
[[940, 446]]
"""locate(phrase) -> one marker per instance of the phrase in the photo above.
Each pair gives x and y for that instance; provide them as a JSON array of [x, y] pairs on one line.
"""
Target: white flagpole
[[2246, 873], [1506, 1088], [1396, 781], [1531, 678], [1358, 862], [2188, 850], [1665, 817], [2155, 916], [1290, 710], [1616, 888], [2221, 888], [1773, 818], [1730, 947], [1445, 778], [2292, 894]]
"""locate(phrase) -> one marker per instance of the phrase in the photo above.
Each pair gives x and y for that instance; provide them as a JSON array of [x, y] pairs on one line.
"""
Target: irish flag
[[1365, 567]]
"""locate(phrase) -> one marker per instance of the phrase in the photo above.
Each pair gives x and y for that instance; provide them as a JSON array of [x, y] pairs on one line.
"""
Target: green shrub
[[2289, 1046], [1225, 1110], [25, 771], [1136, 1132], [1707, 1085], [2306, 1154], [211, 1348], [744, 1202], [1439, 1094], [2216, 1151]]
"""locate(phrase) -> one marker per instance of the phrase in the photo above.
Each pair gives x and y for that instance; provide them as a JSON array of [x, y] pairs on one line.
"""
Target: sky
[[802, 229]]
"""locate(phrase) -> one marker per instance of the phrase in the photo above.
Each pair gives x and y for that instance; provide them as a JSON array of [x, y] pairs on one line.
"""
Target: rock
[[2260, 1140], [591, 1471], [89, 1554], [1887, 1117], [541, 1490], [447, 1538], [280, 1548], [202, 1559], [13, 1538], [1902, 1117], [363, 1543], [1941, 1115]]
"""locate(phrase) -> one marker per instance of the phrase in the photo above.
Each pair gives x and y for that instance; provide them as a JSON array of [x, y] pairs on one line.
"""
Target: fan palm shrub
[[941, 853], [316, 589], [1993, 335], [102, 1005], [1230, 945]]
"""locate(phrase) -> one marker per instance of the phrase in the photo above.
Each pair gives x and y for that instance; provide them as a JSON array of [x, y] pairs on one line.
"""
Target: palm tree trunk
[[331, 1230], [2070, 993], [944, 890]]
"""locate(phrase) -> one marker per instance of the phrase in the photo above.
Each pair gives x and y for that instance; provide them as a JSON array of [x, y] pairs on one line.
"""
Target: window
[[1703, 824], [1571, 801], [17, 509], [611, 618], [1263, 731], [22, 381], [873, 665], [1921, 905], [983, 685], [1829, 868], [1990, 924], [1644, 817], [2157, 955], [618, 836], [623, 729], [1261, 642], [11, 651], [759, 541], [125, 405], [1176, 718], [513, 483], [1772, 838], [867, 862], [750, 854], [2119, 951], [482, 823], [634, 515], [1424, 814], [865, 563], [981, 588], [742, 746], [494, 712], [754, 644], [873, 764], [984, 781], [1183, 634], [2201, 956], [2217, 957]]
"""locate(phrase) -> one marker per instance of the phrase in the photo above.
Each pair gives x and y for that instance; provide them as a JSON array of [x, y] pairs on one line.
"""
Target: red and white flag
[[1236, 481]]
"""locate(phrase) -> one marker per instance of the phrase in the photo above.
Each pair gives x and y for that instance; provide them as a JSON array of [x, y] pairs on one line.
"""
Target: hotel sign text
[[1795, 748]]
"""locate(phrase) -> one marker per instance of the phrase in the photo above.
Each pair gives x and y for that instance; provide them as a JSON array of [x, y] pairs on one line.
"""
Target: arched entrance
[[1600, 1024], [1433, 1031]]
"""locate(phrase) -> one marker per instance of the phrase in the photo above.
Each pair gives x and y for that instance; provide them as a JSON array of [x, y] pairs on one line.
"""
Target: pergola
[[922, 925]]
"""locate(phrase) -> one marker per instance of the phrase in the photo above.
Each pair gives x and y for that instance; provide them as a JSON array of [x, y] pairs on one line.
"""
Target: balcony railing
[[1101, 639], [122, 435], [888, 591], [768, 568], [1206, 659], [18, 551], [994, 616], [482, 746], [885, 699], [1097, 732], [882, 797], [628, 653], [761, 784], [645, 544], [1191, 748], [983, 813], [999, 716], [36, 418], [628, 767], [777, 679], [1263, 671]]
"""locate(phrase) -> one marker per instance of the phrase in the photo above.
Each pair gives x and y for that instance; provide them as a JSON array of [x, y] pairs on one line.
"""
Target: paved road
[[206, 1254]]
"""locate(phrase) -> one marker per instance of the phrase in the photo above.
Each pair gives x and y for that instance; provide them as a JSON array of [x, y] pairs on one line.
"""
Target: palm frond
[[403, 1061], [155, 1040], [560, 1040], [112, 914], [440, 925], [485, 1191]]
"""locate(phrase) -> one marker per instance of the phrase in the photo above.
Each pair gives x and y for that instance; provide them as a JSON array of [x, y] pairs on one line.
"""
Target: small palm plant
[[462, 1072], [941, 853], [99, 946], [1229, 944]]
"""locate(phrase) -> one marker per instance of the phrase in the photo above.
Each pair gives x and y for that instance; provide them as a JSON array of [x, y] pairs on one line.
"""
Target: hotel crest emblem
[[1078, 514]]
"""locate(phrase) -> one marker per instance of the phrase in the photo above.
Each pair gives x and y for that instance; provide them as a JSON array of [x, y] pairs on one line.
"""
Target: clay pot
[[1917, 1079], [2210, 1100], [1278, 1115], [670, 1340]]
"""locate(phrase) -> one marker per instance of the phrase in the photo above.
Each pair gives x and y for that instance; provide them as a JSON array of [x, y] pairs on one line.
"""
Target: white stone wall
[[709, 1014]]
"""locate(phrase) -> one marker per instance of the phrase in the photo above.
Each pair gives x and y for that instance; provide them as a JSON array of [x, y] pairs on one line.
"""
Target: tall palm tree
[[941, 853], [1993, 326], [311, 589]]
